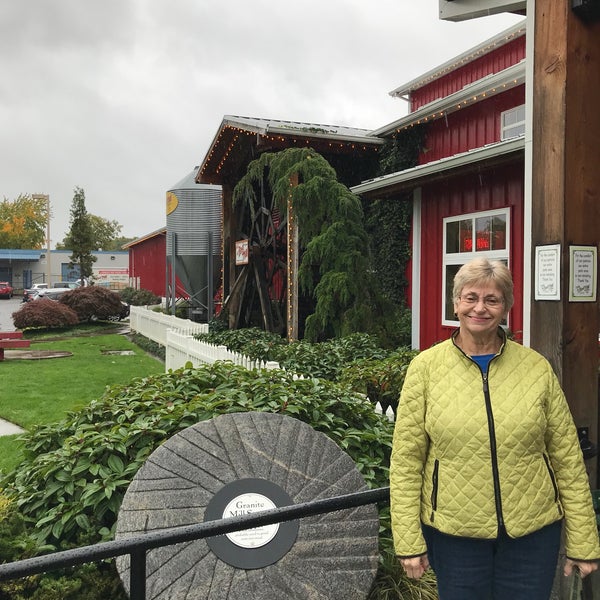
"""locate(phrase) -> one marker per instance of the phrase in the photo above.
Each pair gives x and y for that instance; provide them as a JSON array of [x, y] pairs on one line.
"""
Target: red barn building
[[467, 189]]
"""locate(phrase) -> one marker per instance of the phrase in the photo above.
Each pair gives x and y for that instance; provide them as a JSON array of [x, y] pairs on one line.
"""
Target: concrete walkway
[[7, 428]]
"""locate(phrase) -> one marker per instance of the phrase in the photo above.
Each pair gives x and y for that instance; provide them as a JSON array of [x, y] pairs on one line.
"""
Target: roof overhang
[[13, 254], [461, 60], [482, 89], [241, 138], [461, 10], [158, 233], [487, 156]]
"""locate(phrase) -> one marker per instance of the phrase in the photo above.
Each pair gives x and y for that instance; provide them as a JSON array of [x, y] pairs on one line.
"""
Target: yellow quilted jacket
[[474, 451]]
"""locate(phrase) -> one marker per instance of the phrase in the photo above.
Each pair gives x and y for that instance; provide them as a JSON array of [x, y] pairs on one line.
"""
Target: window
[[484, 234], [512, 122]]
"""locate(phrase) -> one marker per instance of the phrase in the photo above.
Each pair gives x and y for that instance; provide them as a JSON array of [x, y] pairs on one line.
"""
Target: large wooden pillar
[[566, 194]]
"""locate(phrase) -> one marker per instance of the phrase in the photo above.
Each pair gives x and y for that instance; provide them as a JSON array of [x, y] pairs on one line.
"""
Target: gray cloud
[[123, 98]]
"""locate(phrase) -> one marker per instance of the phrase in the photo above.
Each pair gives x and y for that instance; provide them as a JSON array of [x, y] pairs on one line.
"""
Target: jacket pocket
[[434, 487], [552, 477]]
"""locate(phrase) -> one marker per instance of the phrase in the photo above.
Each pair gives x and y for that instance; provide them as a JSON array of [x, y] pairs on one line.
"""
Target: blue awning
[[12, 254]]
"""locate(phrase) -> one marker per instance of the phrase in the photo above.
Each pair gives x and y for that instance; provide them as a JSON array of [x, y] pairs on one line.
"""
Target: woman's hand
[[415, 566], [584, 567]]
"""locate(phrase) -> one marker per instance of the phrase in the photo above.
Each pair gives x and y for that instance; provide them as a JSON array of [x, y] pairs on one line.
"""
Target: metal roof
[[238, 138], [477, 91], [420, 172], [470, 55], [14, 254], [275, 126]]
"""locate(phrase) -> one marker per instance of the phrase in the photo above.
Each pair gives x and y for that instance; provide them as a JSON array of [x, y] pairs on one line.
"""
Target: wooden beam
[[566, 195]]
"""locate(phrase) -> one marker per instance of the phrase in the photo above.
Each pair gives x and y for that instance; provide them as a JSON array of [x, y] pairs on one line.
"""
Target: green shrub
[[150, 346], [44, 313], [381, 380], [75, 473], [251, 341], [325, 360], [93, 303], [139, 297]]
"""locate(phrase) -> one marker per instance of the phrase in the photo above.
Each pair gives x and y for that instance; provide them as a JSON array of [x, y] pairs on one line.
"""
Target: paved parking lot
[[7, 308]]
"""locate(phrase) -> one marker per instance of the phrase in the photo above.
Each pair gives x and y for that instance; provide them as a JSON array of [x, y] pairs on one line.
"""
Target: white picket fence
[[154, 325], [177, 336], [181, 348]]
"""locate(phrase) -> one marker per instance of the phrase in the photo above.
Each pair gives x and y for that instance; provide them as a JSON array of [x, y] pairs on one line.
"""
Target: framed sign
[[583, 273], [547, 272], [241, 252]]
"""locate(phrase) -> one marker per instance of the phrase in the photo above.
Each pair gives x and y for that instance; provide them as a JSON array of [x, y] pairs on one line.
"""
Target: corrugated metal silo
[[194, 215]]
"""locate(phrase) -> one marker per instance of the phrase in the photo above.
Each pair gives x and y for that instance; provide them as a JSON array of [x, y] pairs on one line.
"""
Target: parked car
[[6, 290], [51, 293], [29, 293], [66, 284]]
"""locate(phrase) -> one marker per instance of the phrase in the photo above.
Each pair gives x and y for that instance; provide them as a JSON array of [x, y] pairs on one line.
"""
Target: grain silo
[[194, 214]]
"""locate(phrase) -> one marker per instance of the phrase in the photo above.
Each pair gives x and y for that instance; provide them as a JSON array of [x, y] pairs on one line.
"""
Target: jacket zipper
[[493, 449], [552, 477], [434, 491]]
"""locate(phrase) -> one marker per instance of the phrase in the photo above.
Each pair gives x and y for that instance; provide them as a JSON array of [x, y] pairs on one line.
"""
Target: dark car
[[6, 290]]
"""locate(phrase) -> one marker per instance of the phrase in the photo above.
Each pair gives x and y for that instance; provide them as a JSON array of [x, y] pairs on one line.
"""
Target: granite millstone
[[334, 555]]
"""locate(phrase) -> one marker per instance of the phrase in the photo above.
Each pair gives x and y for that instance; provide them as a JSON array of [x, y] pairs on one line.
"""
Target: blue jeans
[[501, 569]]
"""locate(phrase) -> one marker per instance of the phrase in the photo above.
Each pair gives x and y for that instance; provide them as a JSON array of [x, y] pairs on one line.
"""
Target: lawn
[[43, 391]]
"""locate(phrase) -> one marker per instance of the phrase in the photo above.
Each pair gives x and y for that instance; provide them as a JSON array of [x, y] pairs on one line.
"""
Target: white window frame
[[460, 258], [505, 130]]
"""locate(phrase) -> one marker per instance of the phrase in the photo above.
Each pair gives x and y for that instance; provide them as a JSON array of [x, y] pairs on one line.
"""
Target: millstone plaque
[[244, 463]]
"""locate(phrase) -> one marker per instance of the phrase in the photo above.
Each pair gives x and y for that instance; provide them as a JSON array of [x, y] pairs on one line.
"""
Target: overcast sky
[[123, 97]]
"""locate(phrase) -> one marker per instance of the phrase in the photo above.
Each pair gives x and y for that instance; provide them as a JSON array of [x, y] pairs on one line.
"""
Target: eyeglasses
[[489, 301]]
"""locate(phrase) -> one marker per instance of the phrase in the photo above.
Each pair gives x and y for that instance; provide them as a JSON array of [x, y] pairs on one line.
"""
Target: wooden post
[[566, 195], [292, 268]]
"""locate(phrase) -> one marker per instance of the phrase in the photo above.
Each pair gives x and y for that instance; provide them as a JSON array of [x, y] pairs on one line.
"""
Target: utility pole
[[46, 197]]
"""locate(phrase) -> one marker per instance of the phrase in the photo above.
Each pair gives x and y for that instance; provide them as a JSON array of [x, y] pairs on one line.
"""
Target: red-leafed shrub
[[44, 313], [94, 303]]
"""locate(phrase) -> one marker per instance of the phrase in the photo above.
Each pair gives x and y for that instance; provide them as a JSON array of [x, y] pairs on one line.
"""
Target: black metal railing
[[137, 546]]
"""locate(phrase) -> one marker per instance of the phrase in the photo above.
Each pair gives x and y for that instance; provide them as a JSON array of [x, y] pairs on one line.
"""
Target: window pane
[[498, 234], [452, 237], [466, 235], [451, 271], [483, 226]]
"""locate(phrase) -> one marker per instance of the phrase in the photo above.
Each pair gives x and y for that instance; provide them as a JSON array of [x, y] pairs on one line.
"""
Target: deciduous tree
[[23, 222]]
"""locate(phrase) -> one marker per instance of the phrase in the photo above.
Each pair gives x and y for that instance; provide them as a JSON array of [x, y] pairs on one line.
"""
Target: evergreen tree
[[81, 235]]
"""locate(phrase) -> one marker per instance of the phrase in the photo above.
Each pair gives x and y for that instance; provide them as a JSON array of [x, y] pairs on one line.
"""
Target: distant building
[[23, 268]]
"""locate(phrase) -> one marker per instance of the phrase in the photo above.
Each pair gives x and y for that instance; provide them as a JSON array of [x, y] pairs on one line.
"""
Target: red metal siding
[[490, 63], [147, 261], [471, 127], [498, 188]]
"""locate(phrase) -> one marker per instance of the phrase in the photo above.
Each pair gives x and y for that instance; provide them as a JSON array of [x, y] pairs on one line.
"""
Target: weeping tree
[[334, 267]]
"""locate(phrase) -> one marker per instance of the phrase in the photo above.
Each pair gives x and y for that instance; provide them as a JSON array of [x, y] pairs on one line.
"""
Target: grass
[[44, 391]]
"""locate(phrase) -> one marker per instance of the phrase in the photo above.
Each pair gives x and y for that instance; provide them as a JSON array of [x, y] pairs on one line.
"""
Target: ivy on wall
[[388, 221]]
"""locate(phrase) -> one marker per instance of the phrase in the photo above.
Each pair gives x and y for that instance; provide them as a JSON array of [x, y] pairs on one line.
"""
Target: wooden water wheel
[[261, 285]]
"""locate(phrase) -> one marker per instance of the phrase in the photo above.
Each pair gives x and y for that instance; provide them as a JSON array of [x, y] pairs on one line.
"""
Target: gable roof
[[477, 91], [241, 137], [466, 57]]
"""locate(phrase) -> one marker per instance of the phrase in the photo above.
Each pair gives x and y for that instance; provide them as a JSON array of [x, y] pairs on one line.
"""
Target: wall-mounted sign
[[241, 252], [583, 273], [547, 272]]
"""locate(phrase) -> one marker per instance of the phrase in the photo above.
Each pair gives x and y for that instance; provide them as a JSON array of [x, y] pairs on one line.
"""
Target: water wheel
[[261, 285]]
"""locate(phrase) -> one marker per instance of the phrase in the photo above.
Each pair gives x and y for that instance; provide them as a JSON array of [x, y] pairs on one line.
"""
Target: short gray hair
[[482, 271]]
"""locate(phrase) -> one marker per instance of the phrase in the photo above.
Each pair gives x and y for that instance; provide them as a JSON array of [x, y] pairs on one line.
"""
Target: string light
[[228, 130]]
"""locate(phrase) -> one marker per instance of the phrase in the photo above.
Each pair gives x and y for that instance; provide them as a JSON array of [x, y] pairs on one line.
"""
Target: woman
[[486, 465]]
